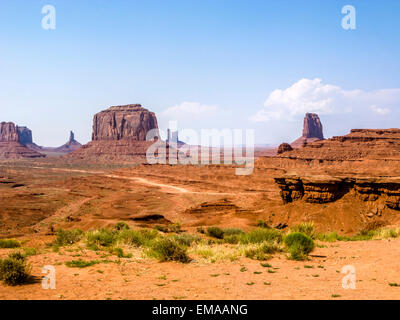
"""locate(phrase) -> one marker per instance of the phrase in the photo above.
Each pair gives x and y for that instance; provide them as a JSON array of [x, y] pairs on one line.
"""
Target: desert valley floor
[[39, 197]]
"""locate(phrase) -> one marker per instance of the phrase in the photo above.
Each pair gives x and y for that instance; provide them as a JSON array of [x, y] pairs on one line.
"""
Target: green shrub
[[306, 227], [162, 228], [101, 237], [232, 231], [215, 232], [262, 252], [120, 253], [299, 245], [332, 237], [9, 243], [175, 227], [261, 235], [14, 269], [17, 255], [30, 252], [80, 263], [121, 226], [232, 239], [187, 239], [68, 237], [169, 250], [137, 238]]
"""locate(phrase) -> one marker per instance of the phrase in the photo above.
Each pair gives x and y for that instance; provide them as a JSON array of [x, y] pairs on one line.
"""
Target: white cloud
[[308, 95], [381, 111], [187, 108]]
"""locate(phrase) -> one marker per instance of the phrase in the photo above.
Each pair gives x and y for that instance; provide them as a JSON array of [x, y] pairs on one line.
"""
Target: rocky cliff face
[[312, 131], [131, 122], [119, 133], [385, 192], [284, 147], [10, 146], [312, 127], [8, 132], [25, 135]]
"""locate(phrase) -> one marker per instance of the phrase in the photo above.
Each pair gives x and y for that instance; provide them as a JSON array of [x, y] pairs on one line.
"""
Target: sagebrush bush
[[68, 237], [137, 238], [261, 252], [215, 232], [232, 239], [299, 245], [120, 253], [232, 231], [9, 243], [306, 227], [169, 250], [14, 269], [261, 235], [161, 228], [17, 255], [101, 237], [187, 239]]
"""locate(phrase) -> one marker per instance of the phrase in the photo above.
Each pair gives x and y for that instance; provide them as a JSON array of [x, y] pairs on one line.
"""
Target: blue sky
[[208, 64]]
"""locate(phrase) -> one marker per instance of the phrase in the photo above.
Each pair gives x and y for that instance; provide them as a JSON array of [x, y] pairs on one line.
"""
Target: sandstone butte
[[312, 131], [10, 142], [119, 133]]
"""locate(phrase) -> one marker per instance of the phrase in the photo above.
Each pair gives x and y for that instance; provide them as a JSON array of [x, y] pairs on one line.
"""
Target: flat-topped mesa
[[127, 122], [119, 134], [8, 132]]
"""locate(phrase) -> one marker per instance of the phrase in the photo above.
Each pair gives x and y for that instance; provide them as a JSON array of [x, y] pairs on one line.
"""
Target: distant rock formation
[[312, 127], [8, 132], [173, 138], [119, 133], [10, 146], [70, 146], [130, 122], [24, 135], [312, 131], [284, 147]]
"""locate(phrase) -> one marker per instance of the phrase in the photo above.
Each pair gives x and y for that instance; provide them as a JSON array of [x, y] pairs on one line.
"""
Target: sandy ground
[[194, 197], [375, 262]]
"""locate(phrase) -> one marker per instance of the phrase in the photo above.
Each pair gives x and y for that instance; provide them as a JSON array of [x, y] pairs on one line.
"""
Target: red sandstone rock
[[312, 127], [119, 133], [123, 122], [312, 131], [10, 147], [24, 135], [284, 147], [70, 146], [8, 132]]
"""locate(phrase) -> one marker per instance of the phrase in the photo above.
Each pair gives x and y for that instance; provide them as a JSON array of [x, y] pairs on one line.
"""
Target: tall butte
[[11, 147], [119, 133], [312, 131]]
